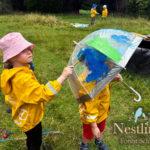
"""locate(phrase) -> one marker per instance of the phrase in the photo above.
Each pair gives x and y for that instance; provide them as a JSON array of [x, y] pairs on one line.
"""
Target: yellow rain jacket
[[26, 96], [104, 12], [93, 12], [97, 109]]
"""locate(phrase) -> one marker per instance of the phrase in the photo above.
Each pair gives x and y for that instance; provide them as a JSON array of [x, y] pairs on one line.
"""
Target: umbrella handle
[[134, 91]]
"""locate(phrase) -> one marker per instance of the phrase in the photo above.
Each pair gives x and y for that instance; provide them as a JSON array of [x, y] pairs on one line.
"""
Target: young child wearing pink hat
[[25, 95]]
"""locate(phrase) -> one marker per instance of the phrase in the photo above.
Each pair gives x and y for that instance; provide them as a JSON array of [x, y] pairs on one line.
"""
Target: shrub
[[139, 7], [42, 20]]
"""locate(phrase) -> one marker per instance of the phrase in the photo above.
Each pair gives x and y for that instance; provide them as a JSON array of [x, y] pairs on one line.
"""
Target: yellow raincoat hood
[[6, 77]]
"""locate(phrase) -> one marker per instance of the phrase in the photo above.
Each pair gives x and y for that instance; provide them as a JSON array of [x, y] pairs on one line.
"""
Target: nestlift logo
[[135, 131]]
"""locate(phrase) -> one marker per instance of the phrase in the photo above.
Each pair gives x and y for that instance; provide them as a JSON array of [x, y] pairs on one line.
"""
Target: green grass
[[53, 37]]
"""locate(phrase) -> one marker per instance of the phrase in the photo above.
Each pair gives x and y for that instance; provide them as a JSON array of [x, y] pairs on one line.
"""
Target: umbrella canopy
[[98, 58]]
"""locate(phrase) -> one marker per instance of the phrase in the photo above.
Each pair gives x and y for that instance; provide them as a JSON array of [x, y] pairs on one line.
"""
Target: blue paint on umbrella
[[95, 61], [121, 39], [122, 42]]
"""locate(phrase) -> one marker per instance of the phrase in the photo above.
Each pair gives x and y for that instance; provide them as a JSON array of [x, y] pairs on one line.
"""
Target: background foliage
[[139, 7], [121, 7]]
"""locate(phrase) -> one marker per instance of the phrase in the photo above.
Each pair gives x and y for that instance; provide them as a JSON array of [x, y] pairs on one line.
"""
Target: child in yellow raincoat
[[93, 14], [104, 11], [93, 114], [25, 95]]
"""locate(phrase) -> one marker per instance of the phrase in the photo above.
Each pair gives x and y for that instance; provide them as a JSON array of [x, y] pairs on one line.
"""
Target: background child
[[93, 114], [93, 14], [104, 11], [25, 95]]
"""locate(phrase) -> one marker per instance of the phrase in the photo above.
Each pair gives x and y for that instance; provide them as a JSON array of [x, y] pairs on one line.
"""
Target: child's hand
[[65, 74], [67, 71], [95, 130], [118, 77]]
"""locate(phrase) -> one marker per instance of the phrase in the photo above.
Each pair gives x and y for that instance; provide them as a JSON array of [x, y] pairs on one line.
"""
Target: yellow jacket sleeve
[[29, 90]]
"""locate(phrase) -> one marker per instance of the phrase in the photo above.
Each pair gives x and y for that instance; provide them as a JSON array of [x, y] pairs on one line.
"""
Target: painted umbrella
[[98, 58]]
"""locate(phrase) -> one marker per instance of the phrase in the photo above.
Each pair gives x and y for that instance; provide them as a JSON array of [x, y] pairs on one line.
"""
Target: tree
[[138, 7], [71, 6], [121, 6], [147, 11], [18, 5], [54, 6], [5, 6], [87, 4]]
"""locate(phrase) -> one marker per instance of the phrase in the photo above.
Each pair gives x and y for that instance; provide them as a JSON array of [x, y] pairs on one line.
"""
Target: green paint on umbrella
[[102, 45]]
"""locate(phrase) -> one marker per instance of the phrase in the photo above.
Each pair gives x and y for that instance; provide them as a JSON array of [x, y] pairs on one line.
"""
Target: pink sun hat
[[12, 44]]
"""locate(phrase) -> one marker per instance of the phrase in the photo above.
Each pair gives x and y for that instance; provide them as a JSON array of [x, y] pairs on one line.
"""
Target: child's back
[[94, 110], [104, 11]]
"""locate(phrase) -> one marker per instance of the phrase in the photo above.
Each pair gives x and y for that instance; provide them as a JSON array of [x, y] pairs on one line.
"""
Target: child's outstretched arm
[[33, 91], [65, 74]]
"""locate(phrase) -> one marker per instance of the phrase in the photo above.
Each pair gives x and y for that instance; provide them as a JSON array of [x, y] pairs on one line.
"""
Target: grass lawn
[[53, 37]]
